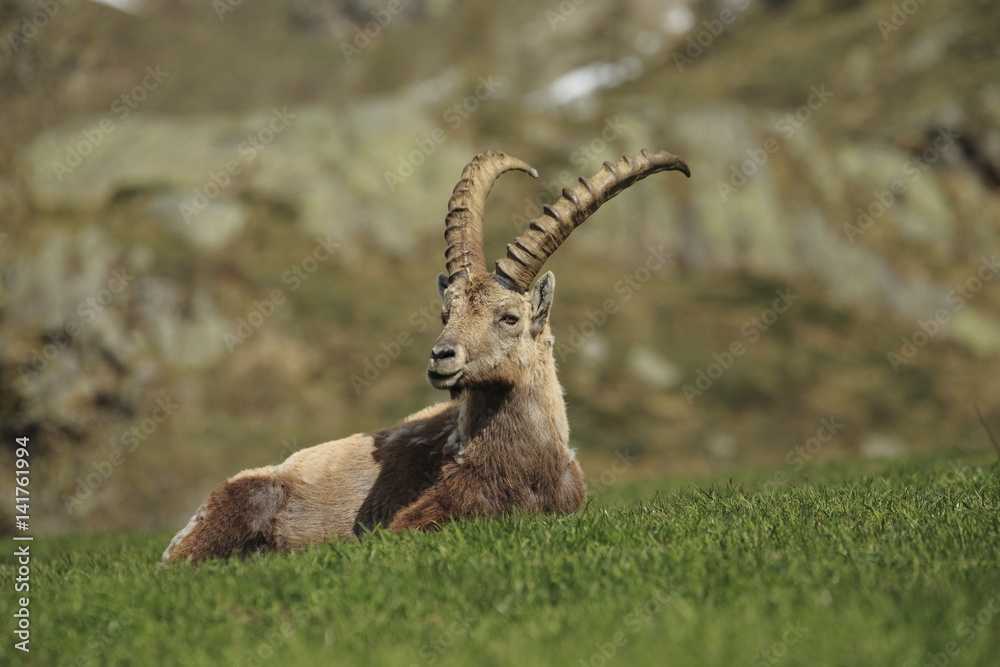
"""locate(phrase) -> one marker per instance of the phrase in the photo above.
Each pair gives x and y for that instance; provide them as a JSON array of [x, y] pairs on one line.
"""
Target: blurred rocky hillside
[[222, 223]]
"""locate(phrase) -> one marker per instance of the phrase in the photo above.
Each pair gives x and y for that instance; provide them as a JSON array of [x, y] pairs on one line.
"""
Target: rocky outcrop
[[375, 173]]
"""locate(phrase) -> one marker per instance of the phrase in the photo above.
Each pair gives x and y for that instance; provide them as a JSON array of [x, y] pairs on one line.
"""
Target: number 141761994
[[23, 476]]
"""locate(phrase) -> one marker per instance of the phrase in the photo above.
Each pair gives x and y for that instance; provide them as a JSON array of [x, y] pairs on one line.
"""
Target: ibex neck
[[526, 416]]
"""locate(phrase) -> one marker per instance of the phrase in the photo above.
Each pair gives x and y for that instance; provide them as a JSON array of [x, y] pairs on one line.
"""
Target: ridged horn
[[528, 252], [464, 224]]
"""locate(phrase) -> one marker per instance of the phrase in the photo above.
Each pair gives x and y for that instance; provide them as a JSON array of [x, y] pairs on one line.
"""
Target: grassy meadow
[[893, 564]]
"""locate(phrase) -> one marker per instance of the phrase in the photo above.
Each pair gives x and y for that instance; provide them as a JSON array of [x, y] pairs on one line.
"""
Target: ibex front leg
[[427, 513]]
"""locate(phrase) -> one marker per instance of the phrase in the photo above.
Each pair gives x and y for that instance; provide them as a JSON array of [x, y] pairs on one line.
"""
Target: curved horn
[[545, 233], [464, 225]]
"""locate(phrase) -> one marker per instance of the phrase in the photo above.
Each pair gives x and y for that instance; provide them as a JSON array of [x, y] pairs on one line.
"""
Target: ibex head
[[494, 327]]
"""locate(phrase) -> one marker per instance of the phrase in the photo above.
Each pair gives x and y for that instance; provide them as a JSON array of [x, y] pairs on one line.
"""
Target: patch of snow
[[127, 6], [581, 83], [678, 20]]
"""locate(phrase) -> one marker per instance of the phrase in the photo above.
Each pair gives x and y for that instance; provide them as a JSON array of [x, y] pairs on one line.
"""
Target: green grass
[[874, 568]]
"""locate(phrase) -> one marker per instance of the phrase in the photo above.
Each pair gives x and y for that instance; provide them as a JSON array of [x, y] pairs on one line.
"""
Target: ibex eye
[[444, 318], [510, 319]]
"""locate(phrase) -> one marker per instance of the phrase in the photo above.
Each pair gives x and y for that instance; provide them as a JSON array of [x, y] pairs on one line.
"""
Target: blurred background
[[222, 222]]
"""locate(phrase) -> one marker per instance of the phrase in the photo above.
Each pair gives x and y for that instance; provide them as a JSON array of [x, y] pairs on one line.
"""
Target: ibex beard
[[500, 445]]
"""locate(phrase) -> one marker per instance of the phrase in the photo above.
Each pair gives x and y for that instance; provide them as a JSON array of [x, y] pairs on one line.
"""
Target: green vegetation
[[891, 567]]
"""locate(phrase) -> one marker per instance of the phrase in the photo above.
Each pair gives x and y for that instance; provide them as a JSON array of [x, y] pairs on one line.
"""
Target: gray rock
[[380, 172], [209, 228], [654, 370]]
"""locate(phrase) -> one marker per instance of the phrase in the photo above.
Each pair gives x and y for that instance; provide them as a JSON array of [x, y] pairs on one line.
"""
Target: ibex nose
[[445, 347], [439, 352]]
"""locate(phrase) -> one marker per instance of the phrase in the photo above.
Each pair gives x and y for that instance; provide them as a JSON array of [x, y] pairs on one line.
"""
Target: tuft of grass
[[895, 567]]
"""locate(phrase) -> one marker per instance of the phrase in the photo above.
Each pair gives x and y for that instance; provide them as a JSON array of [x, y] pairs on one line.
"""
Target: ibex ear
[[541, 301], [442, 285]]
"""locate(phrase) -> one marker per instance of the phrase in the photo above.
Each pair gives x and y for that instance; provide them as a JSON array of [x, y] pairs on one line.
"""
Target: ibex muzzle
[[447, 362]]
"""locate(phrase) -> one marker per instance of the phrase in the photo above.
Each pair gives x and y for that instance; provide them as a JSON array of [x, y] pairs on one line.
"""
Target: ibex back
[[500, 445]]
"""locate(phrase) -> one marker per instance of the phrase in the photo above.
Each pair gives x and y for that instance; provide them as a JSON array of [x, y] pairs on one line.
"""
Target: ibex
[[500, 445]]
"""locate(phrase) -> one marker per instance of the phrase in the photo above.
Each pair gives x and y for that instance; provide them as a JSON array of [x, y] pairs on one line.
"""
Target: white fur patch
[[182, 534], [454, 447]]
